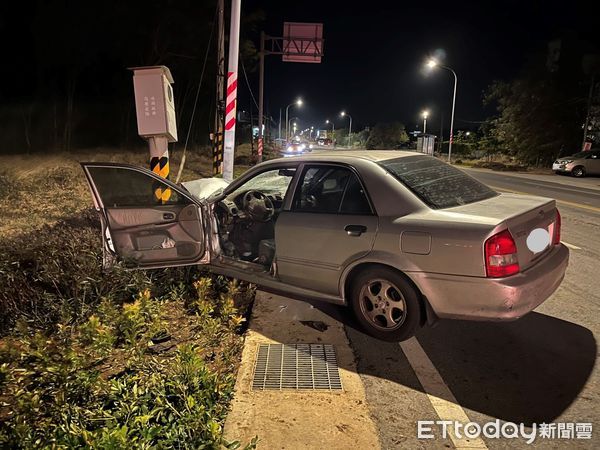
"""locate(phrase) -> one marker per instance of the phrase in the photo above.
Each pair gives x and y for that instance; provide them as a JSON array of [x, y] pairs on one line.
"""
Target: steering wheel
[[258, 206]]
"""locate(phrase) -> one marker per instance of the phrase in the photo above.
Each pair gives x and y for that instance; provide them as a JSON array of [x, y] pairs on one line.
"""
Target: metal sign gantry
[[301, 42]]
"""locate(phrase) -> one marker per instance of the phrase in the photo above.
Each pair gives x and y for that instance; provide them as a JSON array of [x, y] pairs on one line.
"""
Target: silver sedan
[[400, 237]]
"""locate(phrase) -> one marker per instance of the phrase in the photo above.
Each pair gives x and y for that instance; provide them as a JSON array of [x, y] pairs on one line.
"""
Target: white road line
[[571, 246], [443, 401]]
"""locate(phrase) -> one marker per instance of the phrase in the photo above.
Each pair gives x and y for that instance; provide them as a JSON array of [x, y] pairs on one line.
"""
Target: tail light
[[557, 225], [501, 255]]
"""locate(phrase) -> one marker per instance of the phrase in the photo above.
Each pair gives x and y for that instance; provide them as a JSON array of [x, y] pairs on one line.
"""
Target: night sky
[[374, 54], [373, 63]]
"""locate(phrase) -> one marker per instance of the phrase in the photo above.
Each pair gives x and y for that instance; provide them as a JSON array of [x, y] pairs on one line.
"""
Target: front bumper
[[494, 299], [566, 168]]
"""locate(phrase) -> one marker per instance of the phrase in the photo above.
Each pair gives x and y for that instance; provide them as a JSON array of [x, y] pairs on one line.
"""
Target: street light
[[298, 102], [332, 129], [425, 114], [431, 64], [344, 114], [288, 125]]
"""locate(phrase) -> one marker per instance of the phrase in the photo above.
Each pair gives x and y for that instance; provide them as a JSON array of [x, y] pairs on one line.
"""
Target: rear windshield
[[436, 183]]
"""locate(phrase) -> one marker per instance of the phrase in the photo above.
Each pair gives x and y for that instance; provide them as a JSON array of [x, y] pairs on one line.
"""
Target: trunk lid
[[522, 214]]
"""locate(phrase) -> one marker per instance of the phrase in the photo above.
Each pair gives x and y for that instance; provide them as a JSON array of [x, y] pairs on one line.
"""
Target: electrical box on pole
[[155, 111]]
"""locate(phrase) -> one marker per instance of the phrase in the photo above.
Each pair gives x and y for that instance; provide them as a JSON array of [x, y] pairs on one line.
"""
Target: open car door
[[147, 221]]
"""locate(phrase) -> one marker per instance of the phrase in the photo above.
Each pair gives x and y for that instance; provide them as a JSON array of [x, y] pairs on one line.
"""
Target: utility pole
[[279, 133], [587, 116], [452, 118], [441, 142], [261, 84], [230, 103], [219, 103]]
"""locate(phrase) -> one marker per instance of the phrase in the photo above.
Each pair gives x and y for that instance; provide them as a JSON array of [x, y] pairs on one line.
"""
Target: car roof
[[345, 155]]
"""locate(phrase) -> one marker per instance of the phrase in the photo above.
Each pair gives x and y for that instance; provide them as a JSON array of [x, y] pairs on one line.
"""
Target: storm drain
[[296, 366]]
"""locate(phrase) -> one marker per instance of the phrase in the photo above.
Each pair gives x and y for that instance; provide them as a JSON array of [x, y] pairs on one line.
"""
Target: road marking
[[563, 202], [571, 246], [442, 399], [562, 188]]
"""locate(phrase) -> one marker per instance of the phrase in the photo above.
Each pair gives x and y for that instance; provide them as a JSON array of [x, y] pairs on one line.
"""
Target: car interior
[[246, 217]]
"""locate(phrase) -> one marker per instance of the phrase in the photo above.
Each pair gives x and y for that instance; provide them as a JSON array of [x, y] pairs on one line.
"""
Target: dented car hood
[[204, 187]]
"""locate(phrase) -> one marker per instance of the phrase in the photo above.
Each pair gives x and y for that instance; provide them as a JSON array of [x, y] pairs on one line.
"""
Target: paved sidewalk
[[299, 419]]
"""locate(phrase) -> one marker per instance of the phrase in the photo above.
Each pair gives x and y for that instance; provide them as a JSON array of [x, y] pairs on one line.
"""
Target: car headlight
[[302, 147], [567, 161], [310, 146], [289, 149]]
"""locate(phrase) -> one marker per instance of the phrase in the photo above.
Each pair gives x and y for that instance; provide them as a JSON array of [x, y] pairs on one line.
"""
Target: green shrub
[[57, 394]]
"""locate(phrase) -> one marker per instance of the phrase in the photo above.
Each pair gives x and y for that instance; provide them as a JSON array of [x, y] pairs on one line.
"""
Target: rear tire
[[386, 304], [578, 172]]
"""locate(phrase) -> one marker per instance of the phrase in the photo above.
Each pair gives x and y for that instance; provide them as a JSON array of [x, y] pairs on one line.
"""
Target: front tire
[[578, 172], [385, 304]]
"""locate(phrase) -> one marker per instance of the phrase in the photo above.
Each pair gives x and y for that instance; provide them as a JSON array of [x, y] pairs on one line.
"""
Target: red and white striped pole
[[230, 103]]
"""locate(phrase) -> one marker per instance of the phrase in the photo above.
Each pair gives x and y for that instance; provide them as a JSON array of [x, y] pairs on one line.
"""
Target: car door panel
[[313, 249], [152, 234], [140, 229], [593, 163], [328, 224]]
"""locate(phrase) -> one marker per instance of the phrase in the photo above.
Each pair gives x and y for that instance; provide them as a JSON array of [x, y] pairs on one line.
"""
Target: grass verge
[[105, 358]]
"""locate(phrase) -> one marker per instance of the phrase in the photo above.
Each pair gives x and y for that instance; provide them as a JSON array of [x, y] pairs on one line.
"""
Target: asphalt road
[[540, 369]]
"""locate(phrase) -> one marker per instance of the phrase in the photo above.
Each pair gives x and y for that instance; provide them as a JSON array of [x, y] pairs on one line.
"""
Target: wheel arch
[[427, 313]]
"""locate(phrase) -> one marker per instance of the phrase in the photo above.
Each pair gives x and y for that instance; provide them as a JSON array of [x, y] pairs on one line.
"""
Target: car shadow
[[527, 371]]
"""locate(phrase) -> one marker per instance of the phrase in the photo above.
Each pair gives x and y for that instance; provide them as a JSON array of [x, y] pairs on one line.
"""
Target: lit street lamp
[[332, 125], [332, 129], [288, 126], [344, 114], [425, 114], [432, 63], [298, 102]]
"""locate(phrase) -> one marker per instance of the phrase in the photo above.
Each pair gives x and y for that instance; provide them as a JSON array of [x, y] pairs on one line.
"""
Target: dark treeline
[[541, 112], [65, 83]]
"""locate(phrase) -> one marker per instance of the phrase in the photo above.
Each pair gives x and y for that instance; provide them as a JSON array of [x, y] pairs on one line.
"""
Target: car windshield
[[436, 183]]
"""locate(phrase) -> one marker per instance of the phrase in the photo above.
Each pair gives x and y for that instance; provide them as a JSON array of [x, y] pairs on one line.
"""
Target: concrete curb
[[299, 419]]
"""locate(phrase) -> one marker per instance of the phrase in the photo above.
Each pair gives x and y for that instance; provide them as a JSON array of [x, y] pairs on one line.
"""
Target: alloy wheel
[[383, 304]]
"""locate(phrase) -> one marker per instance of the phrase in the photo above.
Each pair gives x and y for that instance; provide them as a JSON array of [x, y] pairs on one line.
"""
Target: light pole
[[344, 114], [332, 128], [288, 125], [425, 114], [431, 64], [298, 102]]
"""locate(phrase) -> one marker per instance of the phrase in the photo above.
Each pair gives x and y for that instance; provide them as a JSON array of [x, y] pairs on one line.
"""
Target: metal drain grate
[[296, 366]]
